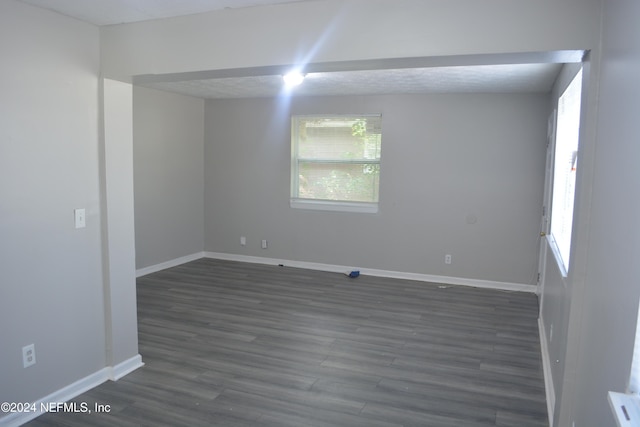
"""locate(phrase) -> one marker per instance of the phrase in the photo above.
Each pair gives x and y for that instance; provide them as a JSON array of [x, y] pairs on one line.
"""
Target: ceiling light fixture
[[294, 78]]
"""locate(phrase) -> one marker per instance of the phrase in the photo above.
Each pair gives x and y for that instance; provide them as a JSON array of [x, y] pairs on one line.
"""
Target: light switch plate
[[80, 218]]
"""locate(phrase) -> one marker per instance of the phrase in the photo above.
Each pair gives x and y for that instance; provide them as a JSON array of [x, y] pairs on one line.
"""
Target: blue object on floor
[[354, 274]]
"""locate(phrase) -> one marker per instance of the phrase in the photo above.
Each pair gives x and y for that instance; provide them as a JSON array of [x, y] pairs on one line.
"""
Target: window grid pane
[[336, 158]]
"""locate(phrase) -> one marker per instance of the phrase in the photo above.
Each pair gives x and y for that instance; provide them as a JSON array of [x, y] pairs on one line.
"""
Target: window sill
[[556, 253], [326, 205], [626, 409]]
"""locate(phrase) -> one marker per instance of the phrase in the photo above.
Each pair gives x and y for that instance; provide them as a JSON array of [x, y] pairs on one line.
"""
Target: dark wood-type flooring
[[236, 344]]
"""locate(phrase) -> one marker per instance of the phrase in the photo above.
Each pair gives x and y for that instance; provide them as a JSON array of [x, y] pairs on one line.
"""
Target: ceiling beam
[[553, 57]]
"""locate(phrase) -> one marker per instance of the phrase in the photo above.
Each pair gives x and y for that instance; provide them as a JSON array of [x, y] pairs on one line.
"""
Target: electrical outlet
[[447, 259], [29, 355], [243, 241], [264, 244]]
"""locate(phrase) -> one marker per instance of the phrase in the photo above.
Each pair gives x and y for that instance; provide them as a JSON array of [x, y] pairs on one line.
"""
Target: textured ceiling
[[469, 79], [106, 12]]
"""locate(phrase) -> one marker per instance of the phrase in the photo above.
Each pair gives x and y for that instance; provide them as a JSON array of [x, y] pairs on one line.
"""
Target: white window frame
[[561, 229], [319, 204]]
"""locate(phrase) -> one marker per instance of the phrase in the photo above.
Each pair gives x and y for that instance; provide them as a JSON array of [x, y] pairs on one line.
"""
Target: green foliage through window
[[336, 158]]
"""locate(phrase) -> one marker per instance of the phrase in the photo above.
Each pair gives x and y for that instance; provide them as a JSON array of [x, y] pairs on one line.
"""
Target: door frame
[[545, 220]]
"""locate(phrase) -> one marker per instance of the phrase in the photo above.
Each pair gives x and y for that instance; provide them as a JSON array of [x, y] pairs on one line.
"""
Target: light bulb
[[294, 78]]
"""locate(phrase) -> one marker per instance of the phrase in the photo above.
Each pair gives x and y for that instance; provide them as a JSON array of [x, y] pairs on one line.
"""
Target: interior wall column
[[118, 231]]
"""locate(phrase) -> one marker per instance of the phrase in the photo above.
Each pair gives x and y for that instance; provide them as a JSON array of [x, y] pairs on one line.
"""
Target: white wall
[[168, 176], [557, 289], [445, 158], [51, 291], [595, 307], [118, 238], [346, 30], [611, 289], [69, 291]]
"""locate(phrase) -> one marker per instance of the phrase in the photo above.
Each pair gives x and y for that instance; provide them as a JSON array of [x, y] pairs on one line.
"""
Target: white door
[[545, 221]]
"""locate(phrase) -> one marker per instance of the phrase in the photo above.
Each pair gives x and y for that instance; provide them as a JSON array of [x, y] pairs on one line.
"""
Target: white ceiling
[[107, 12], [384, 78]]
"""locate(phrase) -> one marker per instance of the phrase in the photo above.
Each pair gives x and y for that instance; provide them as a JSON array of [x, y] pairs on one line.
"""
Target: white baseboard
[[546, 367], [73, 390], [126, 367], [62, 395], [447, 280], [168, 264]]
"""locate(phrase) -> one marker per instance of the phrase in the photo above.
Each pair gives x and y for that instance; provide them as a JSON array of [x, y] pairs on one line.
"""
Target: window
[[564, 172], [634, 378], [335, 162]]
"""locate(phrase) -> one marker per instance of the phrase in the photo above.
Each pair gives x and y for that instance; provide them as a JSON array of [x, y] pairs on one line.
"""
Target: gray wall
[[595, 307], [556, 300], [168, 176], [611, 289], [118, 235], [49, 163], [51, 291], [445, 158]]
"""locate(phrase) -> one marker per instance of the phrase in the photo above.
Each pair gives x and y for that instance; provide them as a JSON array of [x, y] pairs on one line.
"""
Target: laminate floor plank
[[236, 344]]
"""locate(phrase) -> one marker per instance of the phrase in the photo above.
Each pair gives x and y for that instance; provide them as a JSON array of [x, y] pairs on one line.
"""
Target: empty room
[[431, 226]]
